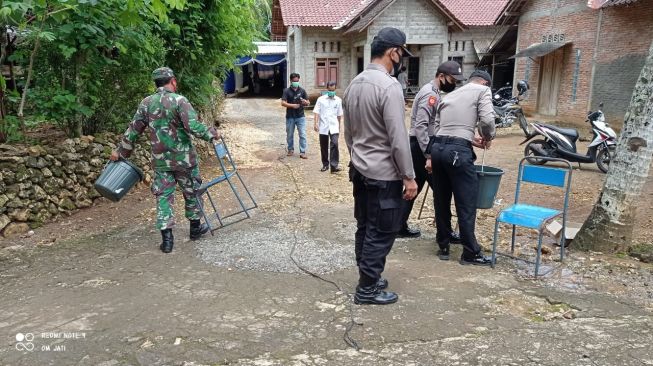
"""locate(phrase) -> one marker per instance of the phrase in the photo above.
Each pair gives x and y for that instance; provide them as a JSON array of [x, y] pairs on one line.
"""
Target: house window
[[323, 46], [331, 48], [413, 70], [458, 59], [326, 69], [464, 45], [338, 46], [315, 47], [456, 49]]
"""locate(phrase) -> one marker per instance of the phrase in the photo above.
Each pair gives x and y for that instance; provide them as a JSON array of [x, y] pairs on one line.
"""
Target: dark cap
[[483, 75], [394, 38], [451, 68]]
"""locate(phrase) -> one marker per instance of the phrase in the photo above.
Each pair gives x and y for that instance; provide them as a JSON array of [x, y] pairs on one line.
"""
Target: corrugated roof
[[317, 13], [476, 12], [607, 3], [271, 48]]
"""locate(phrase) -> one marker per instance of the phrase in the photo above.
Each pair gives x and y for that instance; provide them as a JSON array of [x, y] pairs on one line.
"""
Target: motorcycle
[[502, 95], [561, 142], [508, 109]]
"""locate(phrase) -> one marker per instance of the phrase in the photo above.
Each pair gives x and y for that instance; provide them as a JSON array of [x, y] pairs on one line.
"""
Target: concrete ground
[[93, 289]]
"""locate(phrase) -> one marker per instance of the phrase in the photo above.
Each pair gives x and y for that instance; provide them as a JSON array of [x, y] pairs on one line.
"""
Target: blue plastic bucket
[[489, 179], [117, 178]]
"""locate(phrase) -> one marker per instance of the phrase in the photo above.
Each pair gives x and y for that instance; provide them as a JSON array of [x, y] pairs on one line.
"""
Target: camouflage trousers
[[164, 186]]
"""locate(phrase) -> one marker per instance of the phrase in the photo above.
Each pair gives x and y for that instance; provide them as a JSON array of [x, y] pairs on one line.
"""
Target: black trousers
[[421, 177], [377, 208], [329, 144], [454, 173]]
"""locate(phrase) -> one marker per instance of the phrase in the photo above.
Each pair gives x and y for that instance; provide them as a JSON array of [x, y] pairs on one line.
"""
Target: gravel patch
[[267, 247]]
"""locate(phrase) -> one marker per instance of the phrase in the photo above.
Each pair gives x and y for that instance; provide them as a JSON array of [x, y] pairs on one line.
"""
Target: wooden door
[[549, 85]]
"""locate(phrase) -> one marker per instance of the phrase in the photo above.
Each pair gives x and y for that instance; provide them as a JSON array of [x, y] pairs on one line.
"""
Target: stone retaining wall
[[40, 183]]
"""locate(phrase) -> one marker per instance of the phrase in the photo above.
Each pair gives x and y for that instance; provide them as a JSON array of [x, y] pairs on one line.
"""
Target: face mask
[[396, 66], [295, 84], [331, 94], [446, 86]]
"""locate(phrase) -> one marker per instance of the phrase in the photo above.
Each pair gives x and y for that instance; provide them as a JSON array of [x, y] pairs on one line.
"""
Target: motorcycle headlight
[[497, 97]]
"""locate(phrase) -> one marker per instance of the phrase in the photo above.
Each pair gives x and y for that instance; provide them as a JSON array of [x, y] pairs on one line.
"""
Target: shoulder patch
[[432, 100]]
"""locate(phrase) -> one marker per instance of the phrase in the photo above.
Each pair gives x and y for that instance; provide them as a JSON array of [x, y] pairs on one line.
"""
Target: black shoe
[[382, 283], [374, 295], [168, 241], [197, 229], [324, 168], [455, 238], [443, 254], [336, 169], [477, 260], [407, 232]]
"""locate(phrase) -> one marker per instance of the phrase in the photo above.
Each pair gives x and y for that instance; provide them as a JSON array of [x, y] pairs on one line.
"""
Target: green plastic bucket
[[489, 179], [117, 178]]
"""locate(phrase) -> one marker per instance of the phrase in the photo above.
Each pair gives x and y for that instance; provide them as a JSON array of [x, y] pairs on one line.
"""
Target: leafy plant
[[10, 130], [87, 63]]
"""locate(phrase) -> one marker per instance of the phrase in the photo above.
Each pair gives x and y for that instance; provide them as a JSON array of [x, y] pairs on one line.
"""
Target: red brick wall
[[626, 33], [278, 29]]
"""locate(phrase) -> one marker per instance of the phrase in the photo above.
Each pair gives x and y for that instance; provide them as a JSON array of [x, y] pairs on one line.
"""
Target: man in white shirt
[[328, 116]]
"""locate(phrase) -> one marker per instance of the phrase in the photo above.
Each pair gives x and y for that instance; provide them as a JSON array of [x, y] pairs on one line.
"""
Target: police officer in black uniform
[[423, 125], [381, 166], [461, 113]]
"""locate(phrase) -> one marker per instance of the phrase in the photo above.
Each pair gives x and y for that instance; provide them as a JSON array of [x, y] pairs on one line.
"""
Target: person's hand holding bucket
[[115, 156], [481, 143]]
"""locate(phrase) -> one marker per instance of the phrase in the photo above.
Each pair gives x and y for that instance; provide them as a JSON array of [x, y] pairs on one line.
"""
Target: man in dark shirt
[[294, 99]]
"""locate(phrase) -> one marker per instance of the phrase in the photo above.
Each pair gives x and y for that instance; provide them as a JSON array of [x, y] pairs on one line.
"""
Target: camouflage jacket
[[170, 120]]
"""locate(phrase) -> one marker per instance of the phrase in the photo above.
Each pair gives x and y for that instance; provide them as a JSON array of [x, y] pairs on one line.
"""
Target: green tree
[[87, 62], [84, 39], [205, 39]]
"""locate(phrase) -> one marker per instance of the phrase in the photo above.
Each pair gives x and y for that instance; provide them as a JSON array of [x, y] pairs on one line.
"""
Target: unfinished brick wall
[[623, 46], [625, 35]]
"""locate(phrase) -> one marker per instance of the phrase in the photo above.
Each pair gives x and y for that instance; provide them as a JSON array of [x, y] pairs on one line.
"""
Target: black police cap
[[393, 37]]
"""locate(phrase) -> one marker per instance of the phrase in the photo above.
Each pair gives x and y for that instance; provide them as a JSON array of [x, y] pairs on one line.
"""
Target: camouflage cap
[[162, 73]]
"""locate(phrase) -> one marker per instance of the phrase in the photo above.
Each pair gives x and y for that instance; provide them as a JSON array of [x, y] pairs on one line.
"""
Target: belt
[[453, 141]]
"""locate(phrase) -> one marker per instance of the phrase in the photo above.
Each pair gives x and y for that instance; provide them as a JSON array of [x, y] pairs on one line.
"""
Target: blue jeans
[[290, 133]]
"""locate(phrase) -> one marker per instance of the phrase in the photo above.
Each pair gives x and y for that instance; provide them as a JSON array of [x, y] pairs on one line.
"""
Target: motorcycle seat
[[570, 132]]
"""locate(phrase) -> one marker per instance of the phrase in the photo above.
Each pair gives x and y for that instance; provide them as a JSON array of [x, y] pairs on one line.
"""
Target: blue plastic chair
[[532, 216], [229, 170]]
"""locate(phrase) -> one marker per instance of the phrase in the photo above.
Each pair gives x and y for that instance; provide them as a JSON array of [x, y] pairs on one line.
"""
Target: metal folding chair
[[532, 216], [229, 170]]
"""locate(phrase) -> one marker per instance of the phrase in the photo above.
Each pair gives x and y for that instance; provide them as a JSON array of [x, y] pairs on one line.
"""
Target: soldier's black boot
[[168, 241], [197, 229], [373, 295], [382, 283]]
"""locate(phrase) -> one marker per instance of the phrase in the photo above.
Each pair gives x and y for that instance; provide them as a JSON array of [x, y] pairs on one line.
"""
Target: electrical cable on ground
[[346, 336]]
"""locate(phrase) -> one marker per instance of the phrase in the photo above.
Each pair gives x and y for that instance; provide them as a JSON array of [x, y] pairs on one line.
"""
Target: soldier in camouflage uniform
[[170, 120]]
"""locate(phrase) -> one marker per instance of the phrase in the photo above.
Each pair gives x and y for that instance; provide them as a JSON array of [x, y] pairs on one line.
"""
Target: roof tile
[[331, 13], [475, 12], [317, 13]]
